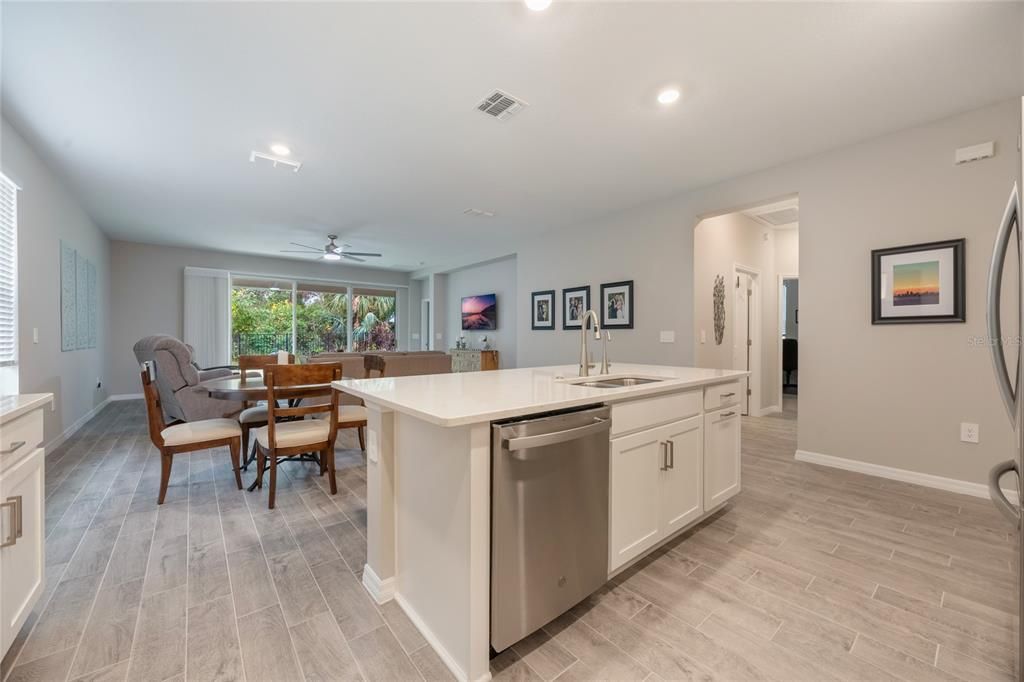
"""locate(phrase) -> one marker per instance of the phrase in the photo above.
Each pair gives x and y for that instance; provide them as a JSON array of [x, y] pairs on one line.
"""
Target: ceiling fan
[[332, 251]]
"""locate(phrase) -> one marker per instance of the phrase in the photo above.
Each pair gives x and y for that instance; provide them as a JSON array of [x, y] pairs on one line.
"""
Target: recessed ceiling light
[[538, 5], [668, 95], [331, 256], [280, 149]]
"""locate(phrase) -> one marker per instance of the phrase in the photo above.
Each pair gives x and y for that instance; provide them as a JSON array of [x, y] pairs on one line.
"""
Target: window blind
[[8, 272]]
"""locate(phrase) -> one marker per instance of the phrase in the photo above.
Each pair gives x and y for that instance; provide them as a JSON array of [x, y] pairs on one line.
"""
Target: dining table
[[251, 388]]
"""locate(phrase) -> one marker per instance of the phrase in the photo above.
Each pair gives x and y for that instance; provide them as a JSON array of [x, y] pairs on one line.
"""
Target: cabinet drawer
[[19, 437], [722, 395], [647, 412]]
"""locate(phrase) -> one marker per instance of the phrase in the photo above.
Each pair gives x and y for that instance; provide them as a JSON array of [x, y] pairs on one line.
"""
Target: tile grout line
[[99, 588], [224, 546]]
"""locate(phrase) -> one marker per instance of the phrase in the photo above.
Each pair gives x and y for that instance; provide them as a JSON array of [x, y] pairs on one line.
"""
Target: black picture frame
[[608, 323], [536, 297], [959, 313], [574, 325]]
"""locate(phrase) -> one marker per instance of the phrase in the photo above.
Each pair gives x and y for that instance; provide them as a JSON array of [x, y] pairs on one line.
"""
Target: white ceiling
[[150, 109]]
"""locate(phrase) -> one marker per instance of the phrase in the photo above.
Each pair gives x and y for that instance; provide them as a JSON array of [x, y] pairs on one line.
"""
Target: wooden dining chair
[[181, 437], [253, 415], [297, 435]]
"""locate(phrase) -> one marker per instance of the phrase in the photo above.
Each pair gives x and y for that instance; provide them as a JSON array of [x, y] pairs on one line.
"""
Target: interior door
[[741, 338], [425, 324]]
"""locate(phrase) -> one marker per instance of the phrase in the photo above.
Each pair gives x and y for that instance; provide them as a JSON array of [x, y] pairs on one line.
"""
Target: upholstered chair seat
[[198, 432], [291, 434], [254, 415]]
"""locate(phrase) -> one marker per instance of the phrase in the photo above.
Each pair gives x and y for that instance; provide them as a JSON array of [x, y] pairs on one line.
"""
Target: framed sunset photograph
[[918, 284]]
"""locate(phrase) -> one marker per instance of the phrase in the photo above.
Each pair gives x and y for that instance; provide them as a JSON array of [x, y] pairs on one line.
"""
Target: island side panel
[[379, 572], [442, 488]]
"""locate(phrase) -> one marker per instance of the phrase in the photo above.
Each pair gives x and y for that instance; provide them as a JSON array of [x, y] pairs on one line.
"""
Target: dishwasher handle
[[544, 439]]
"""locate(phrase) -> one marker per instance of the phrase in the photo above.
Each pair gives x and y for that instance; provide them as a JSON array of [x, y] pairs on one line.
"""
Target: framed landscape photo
[[575, 302], [617, 305], [542, 309], [918, 284]]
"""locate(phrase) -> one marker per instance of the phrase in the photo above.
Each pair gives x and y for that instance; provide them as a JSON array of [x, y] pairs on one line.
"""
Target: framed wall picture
[[617, 305], [918, 283], [575, 302], [542, 309]]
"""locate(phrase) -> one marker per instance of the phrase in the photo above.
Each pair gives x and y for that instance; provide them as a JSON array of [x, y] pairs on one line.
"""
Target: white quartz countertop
[[472, 397], [12, 406]]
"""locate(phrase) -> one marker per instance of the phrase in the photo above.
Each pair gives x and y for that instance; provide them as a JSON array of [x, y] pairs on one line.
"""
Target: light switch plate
[[703, 336], [668, 337], [35, 334]]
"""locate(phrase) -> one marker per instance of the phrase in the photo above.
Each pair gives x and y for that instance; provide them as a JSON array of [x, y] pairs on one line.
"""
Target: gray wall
[[47, 214], [147, 289], [890, 395], [497, 277]]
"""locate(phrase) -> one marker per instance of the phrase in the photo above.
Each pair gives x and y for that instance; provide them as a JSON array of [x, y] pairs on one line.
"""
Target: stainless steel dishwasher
[[549, 518]]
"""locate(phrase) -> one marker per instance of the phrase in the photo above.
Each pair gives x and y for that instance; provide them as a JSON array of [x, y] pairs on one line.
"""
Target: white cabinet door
[[635, 479], [682, 482], [21, 564], [721, 456]]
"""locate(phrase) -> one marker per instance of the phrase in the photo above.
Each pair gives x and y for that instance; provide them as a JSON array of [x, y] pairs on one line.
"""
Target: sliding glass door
[[261, 317], [307, 318], [373, 320], [321, 318]]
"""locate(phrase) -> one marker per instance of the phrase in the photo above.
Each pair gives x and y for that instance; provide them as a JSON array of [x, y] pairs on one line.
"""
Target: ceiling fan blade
[[358, 260], [311, 248], [295, 251], [360, 253]]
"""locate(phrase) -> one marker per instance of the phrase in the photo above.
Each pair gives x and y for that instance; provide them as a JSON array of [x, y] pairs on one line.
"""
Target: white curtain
[[208, 315]]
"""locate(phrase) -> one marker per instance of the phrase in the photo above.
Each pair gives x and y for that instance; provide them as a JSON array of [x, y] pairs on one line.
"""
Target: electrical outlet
[[35, 334], [667, 337], [968, 432]]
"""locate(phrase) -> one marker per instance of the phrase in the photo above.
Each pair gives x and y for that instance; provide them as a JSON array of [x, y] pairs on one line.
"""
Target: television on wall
[[480, 312]]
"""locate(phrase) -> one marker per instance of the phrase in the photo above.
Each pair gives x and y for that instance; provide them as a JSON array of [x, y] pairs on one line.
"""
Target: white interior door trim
[[754, 331], [778, 316]]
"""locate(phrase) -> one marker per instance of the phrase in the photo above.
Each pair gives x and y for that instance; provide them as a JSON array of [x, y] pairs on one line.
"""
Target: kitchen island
[[429, 478]]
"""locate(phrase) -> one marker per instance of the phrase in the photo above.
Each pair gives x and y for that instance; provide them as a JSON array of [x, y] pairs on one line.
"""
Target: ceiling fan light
[[331, 256]]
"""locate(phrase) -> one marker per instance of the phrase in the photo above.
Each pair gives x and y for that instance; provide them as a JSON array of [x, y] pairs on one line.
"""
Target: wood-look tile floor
[[810, 574]]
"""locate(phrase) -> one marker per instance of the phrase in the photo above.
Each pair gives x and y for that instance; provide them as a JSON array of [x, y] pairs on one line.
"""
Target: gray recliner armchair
[[178, 377]]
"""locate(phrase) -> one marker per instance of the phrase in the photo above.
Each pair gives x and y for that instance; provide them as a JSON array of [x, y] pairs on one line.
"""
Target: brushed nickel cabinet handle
[[726, 395], [671, 454], [730, 413], [12, 537], [14, 446], [664, 455], [19, 508]]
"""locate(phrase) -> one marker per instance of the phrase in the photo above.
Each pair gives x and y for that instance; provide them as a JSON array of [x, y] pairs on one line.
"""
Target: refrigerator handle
[[995, 282], [995, 491]]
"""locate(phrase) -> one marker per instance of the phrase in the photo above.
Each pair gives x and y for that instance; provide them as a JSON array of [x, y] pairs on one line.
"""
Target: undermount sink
[[617, 382]]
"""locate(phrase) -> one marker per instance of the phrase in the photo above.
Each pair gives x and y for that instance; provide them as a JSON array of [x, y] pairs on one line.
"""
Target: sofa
[[397, 364], [178, 378]]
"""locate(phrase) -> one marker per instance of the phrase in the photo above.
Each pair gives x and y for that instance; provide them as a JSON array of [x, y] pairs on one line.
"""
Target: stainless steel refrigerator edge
[[1010, 385], [549, 518]]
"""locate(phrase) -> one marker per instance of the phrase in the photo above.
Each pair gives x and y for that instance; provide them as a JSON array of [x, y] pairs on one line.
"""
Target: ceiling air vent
[[783, 217], [501, 105], [479, 213]]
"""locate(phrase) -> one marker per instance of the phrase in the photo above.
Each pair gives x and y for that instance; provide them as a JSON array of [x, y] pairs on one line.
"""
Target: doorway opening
[[741, 261]]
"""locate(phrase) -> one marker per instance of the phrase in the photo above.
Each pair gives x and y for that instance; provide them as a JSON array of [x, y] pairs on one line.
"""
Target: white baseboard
[[382, 591], [70, 431], [125, 396], [435, 644], [953, 485], [771, 409]]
